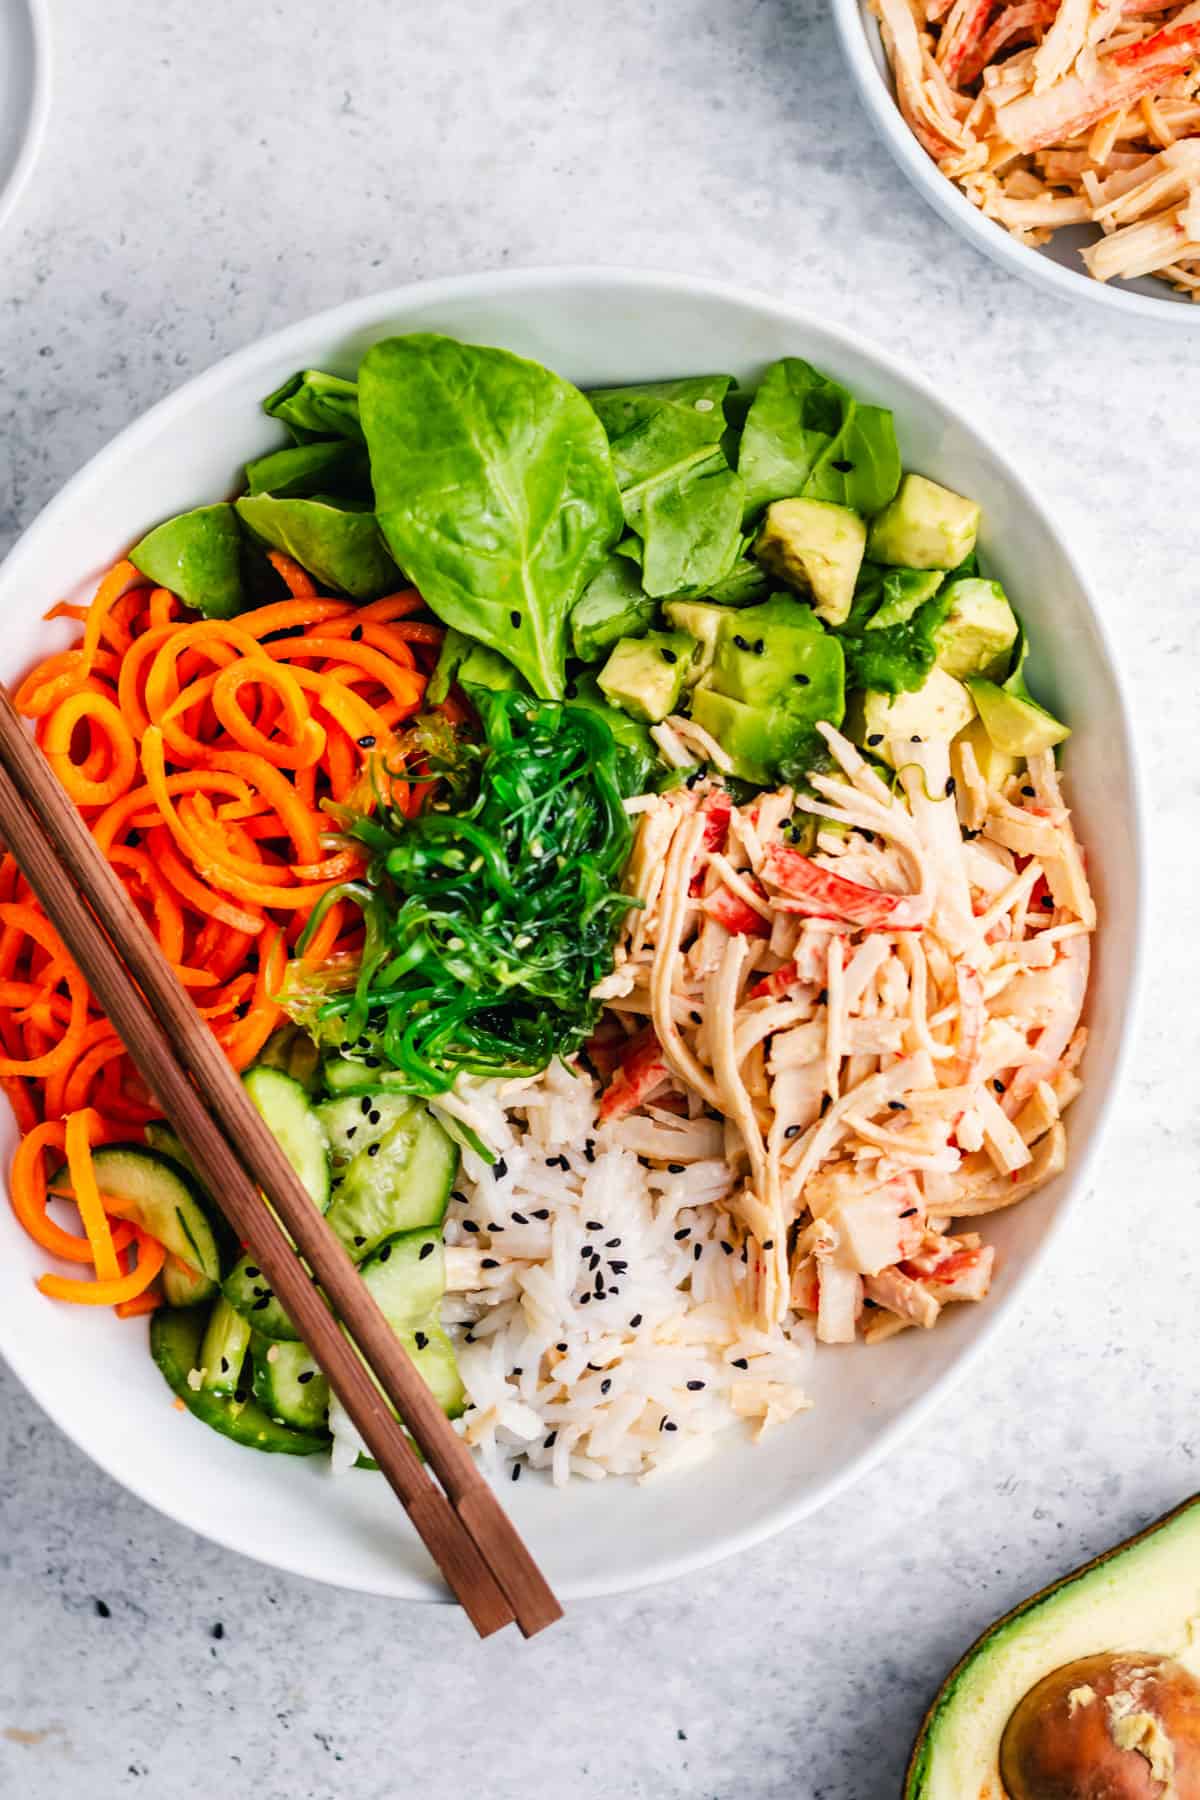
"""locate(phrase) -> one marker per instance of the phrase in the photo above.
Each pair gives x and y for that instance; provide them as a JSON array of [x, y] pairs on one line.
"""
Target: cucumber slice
[[184, 1286], [400, 1182], [433, 1354], [160, 1137], [223, 1351], [289, 1385], [349, 1124], [287, 1109], [293, 1051], [407, 1276], [250, 1293], [363, 1075], [159, 1197], [175, 1346]]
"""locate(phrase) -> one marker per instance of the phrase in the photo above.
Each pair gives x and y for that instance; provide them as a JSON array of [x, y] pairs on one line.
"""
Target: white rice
[[595, 1312]]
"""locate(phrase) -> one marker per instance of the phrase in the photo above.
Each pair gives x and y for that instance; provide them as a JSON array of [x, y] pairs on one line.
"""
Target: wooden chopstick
[[465, 1528]]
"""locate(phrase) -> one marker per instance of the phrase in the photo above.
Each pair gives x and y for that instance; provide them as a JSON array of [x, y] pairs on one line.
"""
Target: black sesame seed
[[951, 784], [516, 1471], [745, 1253], [802, 680], [741, 1362], [592, 1225], [364, 1105], [360, 1241], [469, 1225], [350, 1130], [543, 1212], [741, 642], [372, 1149], [420, 1340], [669, 656], [670, 1425], [550, 1441], [373, 1062], [241, 1396], [760, 647], [915, 738], [910, 1212], [997, 1084], [366, 743], [426, 1250], [897, 1106], [385, 1253], [697, 1018], [695, 1386], [259, 1305], [823, 997], [599, 1285], [1028, 793], [645, 1161], [697, 1252], [584, 1298], [768, 1243], [826, 1103], [675, 1168], [356, 636], [876, 737], [373, 1118], [589, 1150], [492, 1226], [515, 619], [726, 1246], [791, 1131], [305, 1376], [606, 1386], [685, 1231], [458, 1195], [552, 1162], [224, 1365], [1048, 902], [468, 1337], [485, 1262], [252, 1272], [103, 1609], [520, 1219], [218, 1630], [499, 1169], [842, 466]]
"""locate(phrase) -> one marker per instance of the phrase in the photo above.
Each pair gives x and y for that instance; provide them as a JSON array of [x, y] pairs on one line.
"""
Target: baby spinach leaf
[[678, 491], [198, 555], [807, 435], [312, 404], [338, 542], [613, 606], [325, 466], [494, 489], [461, 659]]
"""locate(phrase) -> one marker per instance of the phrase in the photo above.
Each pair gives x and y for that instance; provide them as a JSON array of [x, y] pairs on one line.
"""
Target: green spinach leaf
[[315, 405], [494, 490], [336, 541], [861, 467], [326, 466], [613, 606], [807, 435]]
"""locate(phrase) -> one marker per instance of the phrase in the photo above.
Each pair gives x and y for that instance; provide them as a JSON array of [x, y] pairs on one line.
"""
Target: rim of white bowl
[[38, 117], [353, 315], [853, 24]]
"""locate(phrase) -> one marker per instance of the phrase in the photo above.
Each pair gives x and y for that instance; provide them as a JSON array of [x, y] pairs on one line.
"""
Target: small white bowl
[[24, 93], [1058, 266], [92, 1372]]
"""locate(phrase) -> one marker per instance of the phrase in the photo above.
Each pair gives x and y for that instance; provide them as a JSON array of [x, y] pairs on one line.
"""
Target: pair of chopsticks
[[461, 1523]]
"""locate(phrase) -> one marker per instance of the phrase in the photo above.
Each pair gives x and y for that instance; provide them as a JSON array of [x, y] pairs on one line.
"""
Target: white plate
[[92, 1373], [1058, 265], [24, 93]]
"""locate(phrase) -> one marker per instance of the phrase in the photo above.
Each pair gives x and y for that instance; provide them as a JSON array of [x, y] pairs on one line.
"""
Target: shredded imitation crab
[[889, 1028], [1063, 112], [200, 752]]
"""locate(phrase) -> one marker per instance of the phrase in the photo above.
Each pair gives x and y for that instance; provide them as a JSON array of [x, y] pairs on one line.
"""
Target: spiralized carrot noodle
[[201, 753]]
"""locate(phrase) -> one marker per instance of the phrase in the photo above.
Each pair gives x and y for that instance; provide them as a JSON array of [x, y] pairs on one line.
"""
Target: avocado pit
[[1117, 1726]]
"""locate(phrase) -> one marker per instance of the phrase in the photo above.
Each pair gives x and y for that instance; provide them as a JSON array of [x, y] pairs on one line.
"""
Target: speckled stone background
[[215, 170]]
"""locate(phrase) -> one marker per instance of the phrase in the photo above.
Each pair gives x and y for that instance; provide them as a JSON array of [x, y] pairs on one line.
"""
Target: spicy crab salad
[[614, 837]]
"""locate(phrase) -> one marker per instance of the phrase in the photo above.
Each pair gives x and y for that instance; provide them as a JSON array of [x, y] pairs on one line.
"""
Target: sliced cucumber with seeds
[[407, 1277], [159, 1197], [398, 1182], [165, 1142], [175, 1338], [363, 1075], [433, 1355], [250, 1293], [300, 1134], [352, 1125], [293, 1051], [223, 1350], [289, 1385]]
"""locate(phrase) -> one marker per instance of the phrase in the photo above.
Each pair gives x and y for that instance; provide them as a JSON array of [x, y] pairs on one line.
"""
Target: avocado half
[[1143, 1595]]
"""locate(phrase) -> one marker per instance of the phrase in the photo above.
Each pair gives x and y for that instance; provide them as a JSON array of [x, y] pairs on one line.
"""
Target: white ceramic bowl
[[24, 93], [1058, 265], [92, 1373]]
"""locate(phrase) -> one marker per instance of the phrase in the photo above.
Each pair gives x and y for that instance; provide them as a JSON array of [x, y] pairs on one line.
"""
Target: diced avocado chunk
[[996, 766], [198, 555], [816, 548], [612, 606], [939, 708], [701, 619], [776, 672], [979, 629], [645, 676], [926, 526], [1016, 725]]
